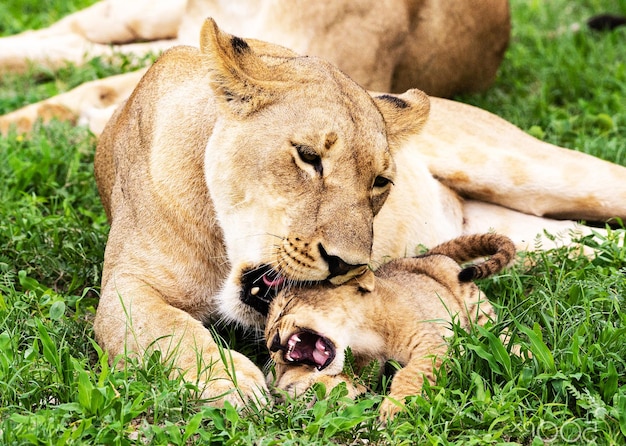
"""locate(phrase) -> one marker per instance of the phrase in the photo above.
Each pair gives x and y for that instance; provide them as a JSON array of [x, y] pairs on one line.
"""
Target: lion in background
[[401, 313], [443, 47]]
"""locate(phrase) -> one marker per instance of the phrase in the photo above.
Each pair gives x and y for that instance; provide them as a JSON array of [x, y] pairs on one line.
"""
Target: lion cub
[[401, 313]]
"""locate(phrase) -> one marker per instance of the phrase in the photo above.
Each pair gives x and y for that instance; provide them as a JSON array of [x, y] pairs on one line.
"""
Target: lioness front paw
[[239, 382]]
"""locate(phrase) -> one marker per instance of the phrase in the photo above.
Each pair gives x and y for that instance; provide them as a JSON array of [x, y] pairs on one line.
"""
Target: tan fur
[[441, 46], [242, 164], [403, 314]]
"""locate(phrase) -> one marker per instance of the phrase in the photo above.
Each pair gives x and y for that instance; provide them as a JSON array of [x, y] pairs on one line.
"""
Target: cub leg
[[482, 156], [90, 104], [409, 380], [133, 318]]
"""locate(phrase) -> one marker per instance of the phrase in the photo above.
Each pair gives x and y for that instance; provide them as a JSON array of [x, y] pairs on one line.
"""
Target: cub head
[[299, 162], [310, 328]]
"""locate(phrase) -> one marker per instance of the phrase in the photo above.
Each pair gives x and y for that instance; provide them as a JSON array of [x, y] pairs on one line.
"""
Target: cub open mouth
[[259, 287], [308, 347]]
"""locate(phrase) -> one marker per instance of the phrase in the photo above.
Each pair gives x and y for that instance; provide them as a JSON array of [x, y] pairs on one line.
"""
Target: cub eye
[[309, 156], [381, 181]]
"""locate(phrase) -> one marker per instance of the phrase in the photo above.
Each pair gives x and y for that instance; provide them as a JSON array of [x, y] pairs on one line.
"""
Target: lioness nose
[[336, 265]]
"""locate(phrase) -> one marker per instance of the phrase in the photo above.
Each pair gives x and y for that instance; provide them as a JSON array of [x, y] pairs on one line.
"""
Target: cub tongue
[[320, 354], [275, 282]]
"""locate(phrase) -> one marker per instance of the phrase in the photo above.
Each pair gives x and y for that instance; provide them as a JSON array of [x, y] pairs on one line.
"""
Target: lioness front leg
[[134, 319]]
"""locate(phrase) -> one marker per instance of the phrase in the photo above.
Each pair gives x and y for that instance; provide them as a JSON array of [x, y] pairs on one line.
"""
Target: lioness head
[[298, 164]]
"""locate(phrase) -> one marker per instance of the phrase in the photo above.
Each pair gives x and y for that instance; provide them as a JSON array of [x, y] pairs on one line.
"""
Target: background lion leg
[[483, 157], [526, 231], [453, 46], [91, 31], [90, 104], [133, 318]]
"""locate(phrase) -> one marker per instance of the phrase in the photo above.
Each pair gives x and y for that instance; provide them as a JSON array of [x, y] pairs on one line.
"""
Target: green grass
[[56, 386], [22, 15]]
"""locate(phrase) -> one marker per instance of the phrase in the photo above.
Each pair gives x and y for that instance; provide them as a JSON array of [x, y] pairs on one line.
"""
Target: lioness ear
[[366, 282], [404, 114], [237, 72]]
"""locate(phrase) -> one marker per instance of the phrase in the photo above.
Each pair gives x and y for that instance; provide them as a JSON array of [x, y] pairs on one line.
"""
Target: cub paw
[[295, 381], [389, 408]]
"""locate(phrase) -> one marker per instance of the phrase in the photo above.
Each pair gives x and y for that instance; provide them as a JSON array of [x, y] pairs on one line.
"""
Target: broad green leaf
[[539, 349], [609, 382], [57, 310], [499, 352], [50, 350], [487, 356], [192, 426], [84, 390], [620, 401]]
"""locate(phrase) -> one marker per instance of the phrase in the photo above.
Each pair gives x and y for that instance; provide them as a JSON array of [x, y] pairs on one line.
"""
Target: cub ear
[[404, 114], [366, 282], [237, 72]]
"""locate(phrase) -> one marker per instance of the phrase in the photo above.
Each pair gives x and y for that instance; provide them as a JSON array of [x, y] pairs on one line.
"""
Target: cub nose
[[275, 345], [336, 265]]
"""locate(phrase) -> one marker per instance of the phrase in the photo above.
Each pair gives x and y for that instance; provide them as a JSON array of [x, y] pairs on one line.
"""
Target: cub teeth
[[291, 345], [254, 291]]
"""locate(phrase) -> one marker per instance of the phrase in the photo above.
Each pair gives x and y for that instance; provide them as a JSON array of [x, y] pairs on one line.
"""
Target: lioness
[[403, 313], [441, 46], [239, 168]]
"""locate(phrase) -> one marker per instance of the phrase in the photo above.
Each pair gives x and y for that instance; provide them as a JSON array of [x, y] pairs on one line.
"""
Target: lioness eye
[[309, 156], [381, 181]]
